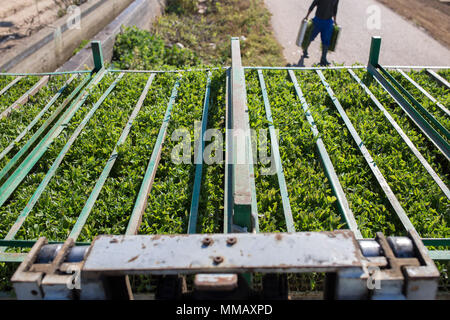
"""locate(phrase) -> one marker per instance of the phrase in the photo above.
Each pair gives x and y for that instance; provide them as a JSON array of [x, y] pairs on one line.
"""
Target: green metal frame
[[77, 228], [193, 213], [11, 84], [37, 118], [147, 183], [330, 172], [241, 178], [24, 98], [276, 156], [23, 151], [426, 93], [438, 78]]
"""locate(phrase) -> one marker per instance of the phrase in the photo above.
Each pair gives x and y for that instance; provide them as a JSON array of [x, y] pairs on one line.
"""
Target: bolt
[[207, 241], [218, 259], [231, 241]]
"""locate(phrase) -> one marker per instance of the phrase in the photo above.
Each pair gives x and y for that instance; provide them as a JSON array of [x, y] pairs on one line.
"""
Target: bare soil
[[431, 15], [21, 18]]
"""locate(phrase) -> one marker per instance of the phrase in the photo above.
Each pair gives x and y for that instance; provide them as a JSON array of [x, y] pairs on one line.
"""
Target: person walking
[[323, 23]]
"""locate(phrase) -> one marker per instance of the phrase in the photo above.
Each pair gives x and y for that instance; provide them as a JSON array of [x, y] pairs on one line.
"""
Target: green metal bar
[[44, 73], [276, 156], [330, 172], [417, 67], [12, 257], [30, 243], [439, 255], [243, 208], [303, 68], [436, 242], [416, 103], [228, 192], [167, 71], [42, 129], [420, 122], [12, 83], [192, 226], [438, 78], [97, 55], [81, 221], [36, 119], [252, 157], [405, 138], [24, 98], [374, 54], [147, 183], [428, 95], [52, 171], [24, 168], [371, 163]]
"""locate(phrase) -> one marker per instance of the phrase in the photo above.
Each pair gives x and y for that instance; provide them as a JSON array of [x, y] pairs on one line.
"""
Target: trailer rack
[[394, 267]]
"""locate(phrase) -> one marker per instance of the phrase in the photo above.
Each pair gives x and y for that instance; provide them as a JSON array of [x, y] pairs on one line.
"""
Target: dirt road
[[22, 18], [403, 43]]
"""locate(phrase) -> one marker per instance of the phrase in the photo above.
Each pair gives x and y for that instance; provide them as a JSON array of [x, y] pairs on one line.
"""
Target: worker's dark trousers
[[325, 28]]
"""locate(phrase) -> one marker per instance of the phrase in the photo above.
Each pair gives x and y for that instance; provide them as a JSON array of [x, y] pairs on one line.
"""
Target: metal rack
[[345, 255]]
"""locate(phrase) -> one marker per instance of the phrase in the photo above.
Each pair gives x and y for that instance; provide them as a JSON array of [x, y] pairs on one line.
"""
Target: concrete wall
[[52, 46]]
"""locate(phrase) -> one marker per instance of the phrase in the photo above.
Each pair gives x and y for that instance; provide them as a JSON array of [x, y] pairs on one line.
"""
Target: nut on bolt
[[231, 241], [207, 241], [218, 259]]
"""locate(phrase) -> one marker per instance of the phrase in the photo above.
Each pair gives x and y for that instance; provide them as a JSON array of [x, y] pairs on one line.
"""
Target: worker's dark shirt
[[326, 9]]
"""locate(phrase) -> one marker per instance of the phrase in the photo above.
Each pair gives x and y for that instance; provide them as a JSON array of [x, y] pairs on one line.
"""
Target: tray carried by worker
[[304, 33], [334, 37]]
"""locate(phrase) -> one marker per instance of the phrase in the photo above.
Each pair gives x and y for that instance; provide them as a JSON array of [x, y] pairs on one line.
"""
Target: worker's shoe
[[323, 59], [305, 53]]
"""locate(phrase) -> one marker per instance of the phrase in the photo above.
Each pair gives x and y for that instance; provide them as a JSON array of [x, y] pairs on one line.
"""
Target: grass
[[205, 38]]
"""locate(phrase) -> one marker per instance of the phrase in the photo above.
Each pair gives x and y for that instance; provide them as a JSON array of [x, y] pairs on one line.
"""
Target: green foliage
[[425, 204], [20, 118], [310, 195], [83, 44], [139, 49], [445, 73], [181, 7], [16, 91], [442, 93], [208, 34], [312, 201]]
